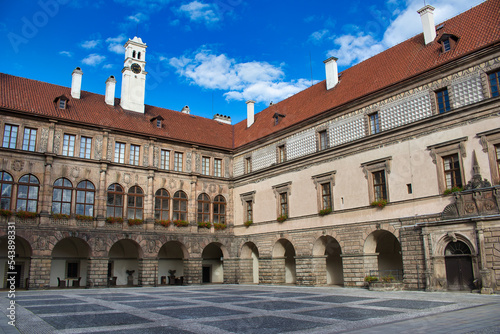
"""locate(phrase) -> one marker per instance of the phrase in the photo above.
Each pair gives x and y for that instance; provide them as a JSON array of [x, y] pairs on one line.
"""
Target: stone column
[[245, 271], [46, 190], [230, 267], [39, 277], [149, 217], [319, 270], [354, 269], [97, 272], [278, 270], [265, 270], [101, 192], [304, 270], [486, 277], [148, 271], [192, 270], [370, 261]]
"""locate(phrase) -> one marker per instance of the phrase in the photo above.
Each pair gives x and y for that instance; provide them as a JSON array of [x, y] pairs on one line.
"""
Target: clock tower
[[134, 76]]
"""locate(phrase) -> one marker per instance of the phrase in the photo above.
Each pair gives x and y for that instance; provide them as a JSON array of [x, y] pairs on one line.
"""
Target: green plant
[[282, 218], [324, 212], [135, 222], [220, 226], [5, 213], [165, 223], [371, 279], [452, 190], [83, 217], [389, 278], [204, 224], [113, 220], [248, 223], [60, 216], [379, 204], [25, 214], [179, 223]]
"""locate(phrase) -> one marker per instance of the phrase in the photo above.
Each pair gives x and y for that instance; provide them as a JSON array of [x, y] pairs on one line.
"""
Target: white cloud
[[201, 12], [318, 35], [259, 81], [138, 18], [93, 59], [90, 44], [115, 44], [66, 53], [354, 48], [108, 66], [149, 5]]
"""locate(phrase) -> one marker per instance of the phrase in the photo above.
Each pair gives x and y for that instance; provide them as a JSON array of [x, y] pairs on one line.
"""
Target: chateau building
[[389, 168]]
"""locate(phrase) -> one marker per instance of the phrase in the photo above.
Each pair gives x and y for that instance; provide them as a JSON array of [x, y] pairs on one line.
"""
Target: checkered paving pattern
[[227, 309]]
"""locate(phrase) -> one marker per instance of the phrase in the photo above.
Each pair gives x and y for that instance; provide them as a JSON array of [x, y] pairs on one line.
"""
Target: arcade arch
[[69, 262], [123, 265], [284, 250], [22, 260], [249, 260]]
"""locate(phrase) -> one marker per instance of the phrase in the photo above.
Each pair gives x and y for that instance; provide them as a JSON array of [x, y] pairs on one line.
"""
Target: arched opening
[[22, 258], [123, 266], [383, 255], [329, 247], [69, 263], [171, 263], [458, 261], [284, 250], [249, 263], [212, 264]]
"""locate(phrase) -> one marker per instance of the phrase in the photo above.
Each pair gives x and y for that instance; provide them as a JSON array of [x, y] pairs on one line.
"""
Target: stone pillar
[[245, 271], [370, 261], [278, 270], [101, 192], [46, 190], [192, 270], [354, 269], [319, 270], [304, 270], [230, 267], [192, 201], [97, 272], [148, 271], [40, 272], [265, 270], [149, 217]]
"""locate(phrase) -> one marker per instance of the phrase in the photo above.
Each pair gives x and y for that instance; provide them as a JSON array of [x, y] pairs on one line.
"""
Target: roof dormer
[[61, 102], [447, 42], [158, 121]]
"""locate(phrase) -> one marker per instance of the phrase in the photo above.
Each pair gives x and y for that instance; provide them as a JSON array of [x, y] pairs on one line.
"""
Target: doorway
[[458, 262], [206, 274]]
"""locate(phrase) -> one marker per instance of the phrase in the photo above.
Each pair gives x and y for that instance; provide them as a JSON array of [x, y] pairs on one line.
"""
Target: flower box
[[325, 212], [114, 220], [248, 223], [219, 226], [204, 224], [282, 218], [379, 204], [180, 223], [165, 223], [132, 222]]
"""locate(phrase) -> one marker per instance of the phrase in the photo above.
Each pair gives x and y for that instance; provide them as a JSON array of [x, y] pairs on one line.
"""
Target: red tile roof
[[475, 28], [37, 97]]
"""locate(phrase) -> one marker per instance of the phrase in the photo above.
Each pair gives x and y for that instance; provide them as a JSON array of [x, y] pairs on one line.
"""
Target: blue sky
[[210, 55]]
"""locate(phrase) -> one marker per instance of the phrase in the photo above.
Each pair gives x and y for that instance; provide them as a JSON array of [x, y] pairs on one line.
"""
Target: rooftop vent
[[222, 118], [76, 83], [186, 110]]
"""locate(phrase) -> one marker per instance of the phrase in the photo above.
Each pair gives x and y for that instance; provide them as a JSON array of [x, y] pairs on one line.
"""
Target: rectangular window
[[158, 123], [452, 174], [72, 270], [446, 45], [379, 186], [218, 167], [323, 140], [85, 147], [165, 159], [178, 161], [326, 196], [134, 154], [69, 145], [29, 139], [249, 210], [283, 204], [494, 79], [10, 136], [248, 165], [443, 100], [374, 123], [281, 153], [62, 104], [120, 153], [205, 166]]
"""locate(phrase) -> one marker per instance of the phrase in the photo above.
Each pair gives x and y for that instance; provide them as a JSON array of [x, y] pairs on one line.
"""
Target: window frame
[[134, 154], [323, 140], [489, 141], [247, 199], [281, 153], [219, 209], [203, 208], [178, 161], [443, 103], [179, 214], [67, 148], [31, 186], [248, 165], [373, 127], [370, 169], [115, 206], [217, 167], [120, 152], [496, 79], [441, 150], [85, 190], [135, 203], [31, 144], [11, 139], [319, 181], [283, 191], [205, 165], [7, 184], [59, 203], [85, 147], [161, 197], [165, 159]]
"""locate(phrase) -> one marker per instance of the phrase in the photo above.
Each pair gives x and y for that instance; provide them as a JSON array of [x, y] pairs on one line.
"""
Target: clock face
[[136, 68]]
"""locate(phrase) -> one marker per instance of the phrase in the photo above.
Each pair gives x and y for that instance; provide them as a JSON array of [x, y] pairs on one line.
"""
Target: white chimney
[[332, 72], [186, 110], [222, 118], [110, 91], [427, 16], [76, 83], [250, 112]]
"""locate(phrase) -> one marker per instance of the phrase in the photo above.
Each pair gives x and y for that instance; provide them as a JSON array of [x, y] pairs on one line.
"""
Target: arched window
[[85, 196], [6, 183], [457, 248], [61, 196], [115, 201], [220, 209], [133, 54], [138, 55], [27, 193], [203, 208], [162, 204], [135, 203], [180, 206]]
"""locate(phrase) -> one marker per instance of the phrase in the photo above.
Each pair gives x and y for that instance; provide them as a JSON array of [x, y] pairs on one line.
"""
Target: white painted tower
[[134, 76]]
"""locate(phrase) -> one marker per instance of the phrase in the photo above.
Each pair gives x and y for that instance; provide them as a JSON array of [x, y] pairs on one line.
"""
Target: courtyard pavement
[[249, 309]]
